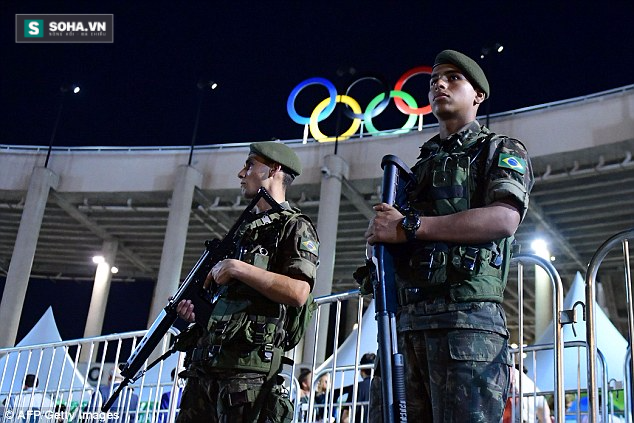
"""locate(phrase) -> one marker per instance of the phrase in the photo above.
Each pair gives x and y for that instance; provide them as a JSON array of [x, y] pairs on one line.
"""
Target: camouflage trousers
[[452, 376], [237, 398]]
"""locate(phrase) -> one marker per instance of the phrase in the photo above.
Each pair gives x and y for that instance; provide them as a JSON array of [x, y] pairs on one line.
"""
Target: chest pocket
[[259, 243], [451, 184]]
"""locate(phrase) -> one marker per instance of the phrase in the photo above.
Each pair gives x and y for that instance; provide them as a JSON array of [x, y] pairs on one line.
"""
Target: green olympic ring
[[411, 120]]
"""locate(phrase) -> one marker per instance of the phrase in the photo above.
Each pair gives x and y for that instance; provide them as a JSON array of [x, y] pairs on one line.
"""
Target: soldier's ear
[[276, 167], [479, 98]]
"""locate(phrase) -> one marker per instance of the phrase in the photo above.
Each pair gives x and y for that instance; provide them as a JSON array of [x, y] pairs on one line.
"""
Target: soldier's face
[[253, 175], [450, 92]]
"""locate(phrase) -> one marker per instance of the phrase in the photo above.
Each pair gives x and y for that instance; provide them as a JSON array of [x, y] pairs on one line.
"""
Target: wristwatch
[[410, 223]]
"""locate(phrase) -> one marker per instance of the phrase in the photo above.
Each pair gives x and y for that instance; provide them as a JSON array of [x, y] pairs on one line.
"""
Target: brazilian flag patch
[[512, 162], [307, 244]]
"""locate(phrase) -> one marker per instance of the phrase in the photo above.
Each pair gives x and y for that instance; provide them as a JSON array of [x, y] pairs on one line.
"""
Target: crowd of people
[[337, 402]]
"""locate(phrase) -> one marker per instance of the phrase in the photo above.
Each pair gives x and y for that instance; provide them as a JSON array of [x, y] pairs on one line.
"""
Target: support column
[[187, 179], [99, 298], [42, 180], [334, 169], [100, 290]]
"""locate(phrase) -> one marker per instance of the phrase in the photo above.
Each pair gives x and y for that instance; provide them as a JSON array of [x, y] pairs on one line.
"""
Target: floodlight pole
[[202, 86], [55, 125]]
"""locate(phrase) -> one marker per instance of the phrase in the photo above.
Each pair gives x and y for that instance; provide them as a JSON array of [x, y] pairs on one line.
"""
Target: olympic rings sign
[[404, 101]]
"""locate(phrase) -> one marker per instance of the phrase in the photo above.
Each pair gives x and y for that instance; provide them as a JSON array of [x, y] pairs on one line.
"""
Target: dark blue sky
[[127, 308], [141, 89]]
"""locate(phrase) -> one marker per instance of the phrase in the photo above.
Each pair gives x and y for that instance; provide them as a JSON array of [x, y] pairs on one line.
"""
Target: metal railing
[[558, 339], [70, 375], [622, 239], [334, 370], [100, 351]]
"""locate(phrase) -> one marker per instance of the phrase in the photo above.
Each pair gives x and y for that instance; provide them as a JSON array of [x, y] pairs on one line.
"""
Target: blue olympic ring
[[290, 104]]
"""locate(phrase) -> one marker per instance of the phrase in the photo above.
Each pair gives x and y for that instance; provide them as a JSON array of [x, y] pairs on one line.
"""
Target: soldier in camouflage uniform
[[233, 371], [452, 247]]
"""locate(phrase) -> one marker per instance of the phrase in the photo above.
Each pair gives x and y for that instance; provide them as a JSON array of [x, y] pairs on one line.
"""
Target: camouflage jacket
[[246, 326], [496, 168]]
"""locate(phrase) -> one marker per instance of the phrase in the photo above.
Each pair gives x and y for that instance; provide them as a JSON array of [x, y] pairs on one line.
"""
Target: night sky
[[141, 90], [127, 309]]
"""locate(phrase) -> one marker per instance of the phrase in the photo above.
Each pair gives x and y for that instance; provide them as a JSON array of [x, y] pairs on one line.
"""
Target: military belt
[[407, 296], [204, 353]]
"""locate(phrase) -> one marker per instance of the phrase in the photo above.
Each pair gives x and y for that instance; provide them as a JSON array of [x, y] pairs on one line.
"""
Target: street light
[[73, 88], [496, 48], [203, 85], [484, 53]]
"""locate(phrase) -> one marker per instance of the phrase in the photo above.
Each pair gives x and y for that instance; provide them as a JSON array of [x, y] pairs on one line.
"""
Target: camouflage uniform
[[451, 325], [233, 371]]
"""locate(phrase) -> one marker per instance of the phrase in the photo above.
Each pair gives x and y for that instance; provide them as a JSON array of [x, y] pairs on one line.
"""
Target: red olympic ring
[[399, 87]]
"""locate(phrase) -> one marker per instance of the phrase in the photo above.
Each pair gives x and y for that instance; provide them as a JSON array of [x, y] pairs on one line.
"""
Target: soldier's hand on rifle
[[185, 310], [385, 226], [224, 271]]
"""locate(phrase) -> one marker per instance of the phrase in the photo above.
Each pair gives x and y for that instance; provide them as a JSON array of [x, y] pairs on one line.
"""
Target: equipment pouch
[[259, 330], [223, 329], [466, 260], [298, 319], [428, 264], [187, 339], [277, 408], [471, 260]]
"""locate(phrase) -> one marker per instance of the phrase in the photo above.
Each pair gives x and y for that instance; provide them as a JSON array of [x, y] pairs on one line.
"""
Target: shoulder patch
[[307, 244], [515, 163]]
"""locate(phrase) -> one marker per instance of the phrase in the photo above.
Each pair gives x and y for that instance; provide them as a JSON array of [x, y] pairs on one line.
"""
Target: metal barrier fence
[[622, 238], [557, 307], [334, 369], [73, 386], [530, 399], [81, 396], [330, 404]]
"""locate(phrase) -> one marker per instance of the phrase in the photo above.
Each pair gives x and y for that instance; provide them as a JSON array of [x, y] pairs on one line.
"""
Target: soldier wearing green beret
[[233, 368], [451, 244]]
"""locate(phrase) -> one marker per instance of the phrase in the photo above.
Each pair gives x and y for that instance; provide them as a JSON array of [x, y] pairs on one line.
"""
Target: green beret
[[278, 153], [470, 69]]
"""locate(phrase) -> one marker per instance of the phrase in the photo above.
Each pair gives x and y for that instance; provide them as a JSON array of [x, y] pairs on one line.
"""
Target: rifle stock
[[192, 288], [396, 177]]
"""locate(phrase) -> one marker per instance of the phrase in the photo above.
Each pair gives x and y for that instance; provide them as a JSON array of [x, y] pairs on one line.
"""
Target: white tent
[[346, 353], [609, 342], [63, 374]]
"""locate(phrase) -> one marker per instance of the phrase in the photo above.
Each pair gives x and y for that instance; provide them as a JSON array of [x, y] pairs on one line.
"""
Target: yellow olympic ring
[[314, 124]]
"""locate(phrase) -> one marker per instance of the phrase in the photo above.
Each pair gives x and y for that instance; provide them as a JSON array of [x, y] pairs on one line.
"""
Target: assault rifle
[[192, 288], [396, 178]]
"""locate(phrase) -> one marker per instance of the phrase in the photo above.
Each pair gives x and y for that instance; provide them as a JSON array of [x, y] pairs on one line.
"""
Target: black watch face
[[410, 222]]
